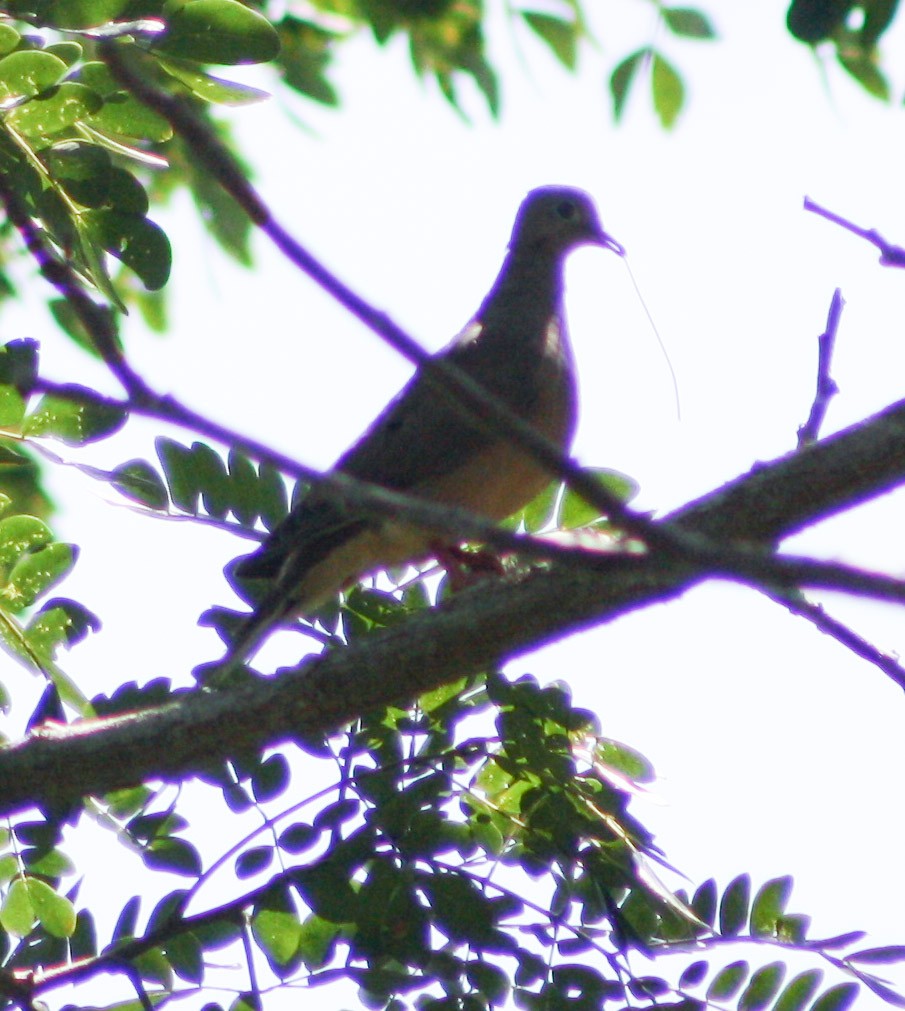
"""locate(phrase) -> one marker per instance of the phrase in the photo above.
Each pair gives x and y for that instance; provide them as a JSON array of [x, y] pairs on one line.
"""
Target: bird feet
[[465, 568]]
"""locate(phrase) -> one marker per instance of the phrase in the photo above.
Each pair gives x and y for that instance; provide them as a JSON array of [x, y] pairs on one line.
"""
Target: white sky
[[778, 752]]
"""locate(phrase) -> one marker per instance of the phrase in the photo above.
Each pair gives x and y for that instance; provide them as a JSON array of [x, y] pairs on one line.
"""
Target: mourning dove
[[425, 444]]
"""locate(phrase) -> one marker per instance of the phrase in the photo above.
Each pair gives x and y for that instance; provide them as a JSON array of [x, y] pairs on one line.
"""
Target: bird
[[425, 444]]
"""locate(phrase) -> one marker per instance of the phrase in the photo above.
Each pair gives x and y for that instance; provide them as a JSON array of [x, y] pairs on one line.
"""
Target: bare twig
[[826, 385], [890, 255], [763, 570], [818, 617]]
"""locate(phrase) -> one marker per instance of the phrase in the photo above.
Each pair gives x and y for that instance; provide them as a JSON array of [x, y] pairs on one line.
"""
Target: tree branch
[[826, 385], [478, 629], [890, 255]]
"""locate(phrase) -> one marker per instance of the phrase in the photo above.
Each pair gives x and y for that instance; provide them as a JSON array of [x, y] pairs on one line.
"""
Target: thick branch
[[479, 629]]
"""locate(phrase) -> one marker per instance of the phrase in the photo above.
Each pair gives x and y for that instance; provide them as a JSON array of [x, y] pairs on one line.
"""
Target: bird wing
[[420, 439]]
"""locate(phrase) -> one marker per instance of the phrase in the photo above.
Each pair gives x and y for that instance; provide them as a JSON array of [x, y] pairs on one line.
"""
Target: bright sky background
[[778, 752]]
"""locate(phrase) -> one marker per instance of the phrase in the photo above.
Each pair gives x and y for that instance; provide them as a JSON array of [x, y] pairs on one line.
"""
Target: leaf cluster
[[442, 869], [853, 28]]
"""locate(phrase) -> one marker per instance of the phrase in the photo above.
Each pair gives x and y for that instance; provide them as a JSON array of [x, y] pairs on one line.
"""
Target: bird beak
[[608, 242]]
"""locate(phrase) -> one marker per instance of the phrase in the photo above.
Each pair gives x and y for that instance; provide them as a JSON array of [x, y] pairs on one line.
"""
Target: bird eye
[[566, 210]]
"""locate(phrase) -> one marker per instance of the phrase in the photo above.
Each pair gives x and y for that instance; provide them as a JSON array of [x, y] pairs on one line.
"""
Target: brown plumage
[[423, 444]]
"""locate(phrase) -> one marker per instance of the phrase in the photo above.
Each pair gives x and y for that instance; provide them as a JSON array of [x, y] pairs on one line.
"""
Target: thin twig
[[352, 493], [818, 617], [890, 255], [826, 385], [748, 564]]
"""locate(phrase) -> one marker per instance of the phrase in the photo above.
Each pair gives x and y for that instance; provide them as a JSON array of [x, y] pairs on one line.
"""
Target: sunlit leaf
[[668, 90], [561, 36], [688, 22], [139, 481], [622, 78], [28, 72], [219, 31], [55, 109], [75, 420]]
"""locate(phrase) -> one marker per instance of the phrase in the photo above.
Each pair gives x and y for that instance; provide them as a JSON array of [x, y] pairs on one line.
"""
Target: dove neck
[[526, 296]]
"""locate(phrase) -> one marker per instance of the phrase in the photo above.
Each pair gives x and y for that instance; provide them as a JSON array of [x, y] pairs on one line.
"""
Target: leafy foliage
[[410, 873]]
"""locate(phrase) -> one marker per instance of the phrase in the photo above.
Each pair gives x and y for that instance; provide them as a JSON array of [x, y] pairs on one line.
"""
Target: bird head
[[555, 219]]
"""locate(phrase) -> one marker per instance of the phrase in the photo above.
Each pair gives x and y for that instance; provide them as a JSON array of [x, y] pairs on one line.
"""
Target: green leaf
[[297, 838], [276, 928], [28, 72], [137, 242], [174, 855], [17, 914], [864, 69], [219, 31], [54, 912], [728, 981], [461, 911], [693, 975], [9, 39], [127, 921], [12, 407], [77, 420], [82, 169], [838, 998], [538, 515], [121, 113], [316, 940], [84, 13], [253, 861], [811, 21], [799, 991], [489, 980], [35, 572], [90, 248], [153, 965], [274, 500], [244, 494], [769, 906], [327, 891], [139, 481], [209, 474], [69, 52], [625, 759], [209, 88], [878, 16], [574, 512], [305, 53], [47, 863], [185, 955], [176, 461], [762, 987], [561, 36], [19, 363], [668, 91], [622, 78], [58, 623], [55, 110], [271, 779], [688, 22], [734, 905]]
